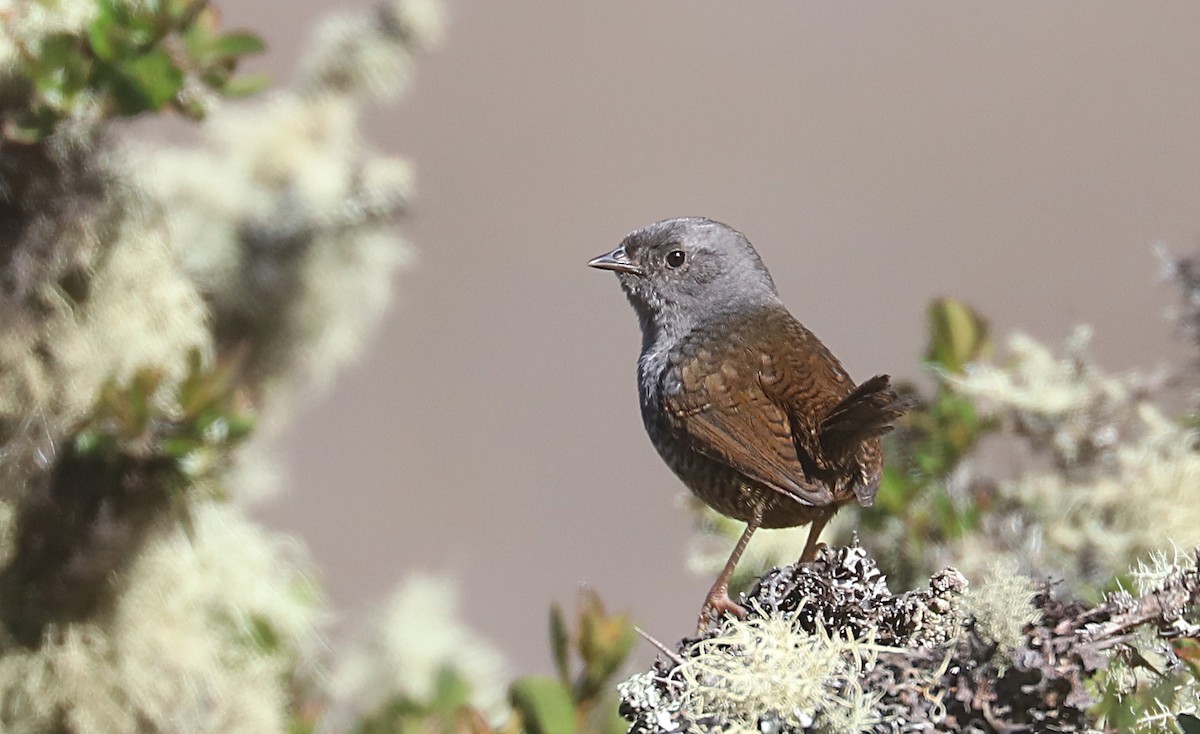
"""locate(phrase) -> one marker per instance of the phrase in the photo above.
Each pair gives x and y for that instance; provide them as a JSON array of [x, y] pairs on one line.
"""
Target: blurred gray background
[[1024, 156]]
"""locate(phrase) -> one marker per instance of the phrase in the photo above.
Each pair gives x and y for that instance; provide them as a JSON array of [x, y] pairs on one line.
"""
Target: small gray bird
[[744, 404]]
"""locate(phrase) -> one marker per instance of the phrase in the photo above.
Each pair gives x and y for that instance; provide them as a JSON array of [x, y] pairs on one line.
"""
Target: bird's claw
[[718, 604]]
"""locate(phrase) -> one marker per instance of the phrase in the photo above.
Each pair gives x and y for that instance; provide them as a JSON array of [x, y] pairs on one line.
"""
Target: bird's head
[[679, 272]]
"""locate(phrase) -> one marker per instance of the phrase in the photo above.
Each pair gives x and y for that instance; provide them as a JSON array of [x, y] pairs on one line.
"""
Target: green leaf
[[197, 39], [544, 704], [139, 397], [590, 625], [104, 33], [603, 642], [234, 45], [60, 70], [1189, 724], [264, 636], [451, 691], [56, 51], [611, 721], [245, 85], [395, 716], [147, 82], [560, 641], [620, 643], [87, 443], [958, 335], [238, 427], [178, 10], [143, 25], [179, 448]]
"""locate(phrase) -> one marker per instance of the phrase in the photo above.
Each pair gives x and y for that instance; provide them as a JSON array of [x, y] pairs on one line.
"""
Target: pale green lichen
[[134, 308], [767, 666], [1124, 479], [203, 640], [284, 220], [371, 54], [1151, 672], [1089, 527], [91, 288], [121, 263], [418, 635], [1002, 607], [1150, 572], [1164, 714], [1067, 404]]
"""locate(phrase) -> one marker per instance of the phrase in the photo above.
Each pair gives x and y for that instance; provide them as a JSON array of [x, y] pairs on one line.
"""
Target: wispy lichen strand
[[284, 219]]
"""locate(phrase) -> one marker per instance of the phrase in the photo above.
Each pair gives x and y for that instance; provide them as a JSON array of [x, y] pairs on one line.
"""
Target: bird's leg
[[718, 601], [810, 546]]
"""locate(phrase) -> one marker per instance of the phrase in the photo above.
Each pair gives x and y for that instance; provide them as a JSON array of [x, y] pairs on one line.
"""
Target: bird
[[747, 406]]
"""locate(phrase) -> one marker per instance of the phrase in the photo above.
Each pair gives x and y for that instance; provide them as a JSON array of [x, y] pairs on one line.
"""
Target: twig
[[659, 646]]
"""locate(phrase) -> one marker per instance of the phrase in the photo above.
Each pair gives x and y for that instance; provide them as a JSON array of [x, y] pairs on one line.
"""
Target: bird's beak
[[616, 260]]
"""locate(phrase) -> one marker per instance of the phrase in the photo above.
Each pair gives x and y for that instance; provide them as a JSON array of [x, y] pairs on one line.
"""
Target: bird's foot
[[717, 604]]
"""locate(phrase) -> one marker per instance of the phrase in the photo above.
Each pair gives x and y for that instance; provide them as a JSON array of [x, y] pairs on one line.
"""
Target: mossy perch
[[828, 648]]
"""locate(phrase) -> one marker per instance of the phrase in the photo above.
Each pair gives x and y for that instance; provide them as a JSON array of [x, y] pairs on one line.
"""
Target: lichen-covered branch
[[828, 648], [149, 302]]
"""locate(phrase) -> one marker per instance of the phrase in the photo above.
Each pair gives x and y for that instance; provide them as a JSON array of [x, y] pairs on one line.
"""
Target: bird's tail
[[871, 410]]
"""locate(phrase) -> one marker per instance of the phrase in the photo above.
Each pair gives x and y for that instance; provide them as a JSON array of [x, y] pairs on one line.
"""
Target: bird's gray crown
[[687, 270]]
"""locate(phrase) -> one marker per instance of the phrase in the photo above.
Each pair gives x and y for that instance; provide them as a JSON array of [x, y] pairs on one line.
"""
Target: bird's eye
[[675, 258]]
